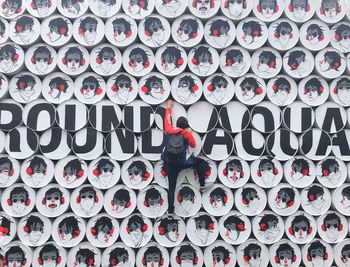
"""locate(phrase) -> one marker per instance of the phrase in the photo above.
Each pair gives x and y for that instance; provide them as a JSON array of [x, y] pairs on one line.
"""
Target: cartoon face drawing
[[219, 32], [234, 227], [332, 225], [154, 87], [137, 6], [218, 89], [153, 201], [24, 28], [221, 256], [68, 229], [49, 256], [342, 91], [186, 198], [299, 8], [15, 257], [285, 255], [186, 87], [317, 254], [345, 201], [187, 30], [251, 199], [105, 6], [314, 34], [72, 171], [73, 59], [88, 29], [6, 170], [121, 29], [235, 61], [105, 59], [250, 87], [104, 172], [235, 7], [138, 173], [37, 170], [171, 6], [34, 228], [8, 58], [218, 198], [90, 87], [202, 59], [154, 30], [103, 229], [5, 227], [330, 8], [136, 227], [87, 198], [119, 257], [72, 6], [298, 62], [169, 228], [41, 59], [251, 31], [58, 29], [267, 171], [283, 33], [285, 198], [18, 199], [12, 7], [300, 228], [57, 87], [315, 197], [203, 6], [269, 230], [121, 200], [84, 258], [153, 257], [252, 255], [186, 256], [53, 199], [331, 171], [138, 60], [345, 255], [342, 36]]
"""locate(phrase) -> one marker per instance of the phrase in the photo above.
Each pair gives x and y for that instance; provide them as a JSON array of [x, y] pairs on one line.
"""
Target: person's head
[[300, 228], [103, 229], [5, 227], [202, 59], [317, 253], [42, 58], [106, 58], [182, 123], [252, 254], [345, 193], [171, 58], [58, 28], [49, 256], [330, 8], [345, 254], [104, 170], [87, 198], [121, 200], [221, 256], [153, 87], [169, 227], [12, 7], [68, 229], [250, 197], [204, 225], [136, 227], [250, 87], [342, 90], [152, 257], [19, 199], [25, 85], [299, 168], [6, 169], [268, 222], [57, 86], [153, 199], [73, 6], [85, 258], [53, 199], [138, 172], [314, 33], [267, 61], [203, 6], [218, 87], [154, 29], [73, 59], [186, 198], [329, 167], [186, 255], [285, 198], [24, 28], [267, 8], [267, 169], [187, 30], [331, 61], [283, 32], [285, 255], [299, 8], [332, 225], [251, 30], [37, 170], [315, 193], [186, 87], [88, 29], [136, 6], [121, 29], [234, 226], [342, 35], [296, 59], [218, 198], [34, 227], [72, 171], [118, 256], [8, 57], [313, 89], [15, 257], [138, 59], [233, 170]]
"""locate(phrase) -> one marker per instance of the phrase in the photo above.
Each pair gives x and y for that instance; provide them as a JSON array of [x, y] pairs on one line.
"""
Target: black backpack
[[175, 148]]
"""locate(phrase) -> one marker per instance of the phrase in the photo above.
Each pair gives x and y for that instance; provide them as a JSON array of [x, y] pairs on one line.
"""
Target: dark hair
[[135, 222], [2, 28], [42, 52], [255, 28], [59, 26], [126, 27], [234, 56], [59, 83], [314, 192], [267, 161], [217, 80], [74, 53], [324, 7], [289, 192], [251, 247], [85, 24], [118, 255], [151, 81], [34, 222], [7, 51], [283, 248], [124, 79], [317, 29], [48, 248], [103, 163], [87, 189], [346, 192], [171, 54], [304, 164], [327, 164], [281, 84], [102, 224], [5, 160], [15, 250], [283, 28], [234, 220], [52, 191], [333, 58], [35, 165], [330, 217], [139, 165], [152, 250], [300, 218], [121, 196], [206, 219], [141, 3], [182, 122], [139, 51], [167, 223], [106, 52], [219, 194], [253, 84], [19, 190], [87, 255], [265, 221], [75, 165], [152, 194], [6, 225], [191, 26], [315, 245], [187, 249], [340, 30], [188, 81], [339, 82], [269, 58], [152, 25], [186, 192], [261, 5], [219, 27], [14, 3], [71, 223], [294, 4], [295, 58], [202, 54], [24, 23], [24, 81], [314, 84]]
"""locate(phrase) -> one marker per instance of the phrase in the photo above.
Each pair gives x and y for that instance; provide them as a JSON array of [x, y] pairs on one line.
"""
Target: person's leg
[[200, 165], [172, 171]]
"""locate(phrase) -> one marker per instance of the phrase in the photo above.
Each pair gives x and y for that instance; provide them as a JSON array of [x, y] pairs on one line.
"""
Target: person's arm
[[168, 126], [189, 136]]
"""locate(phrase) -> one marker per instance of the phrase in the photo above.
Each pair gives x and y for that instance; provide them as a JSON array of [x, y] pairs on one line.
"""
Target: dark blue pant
[[173, 169]]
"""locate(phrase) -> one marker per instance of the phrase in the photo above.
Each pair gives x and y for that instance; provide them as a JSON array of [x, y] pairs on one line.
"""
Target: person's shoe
[[207, 186]]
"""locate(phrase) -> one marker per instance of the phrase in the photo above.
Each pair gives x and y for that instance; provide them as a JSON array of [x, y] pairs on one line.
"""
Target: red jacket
[[169, 129]]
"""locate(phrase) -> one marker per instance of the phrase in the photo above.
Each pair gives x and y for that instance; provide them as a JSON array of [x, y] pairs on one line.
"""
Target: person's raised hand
[[169, 103]]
